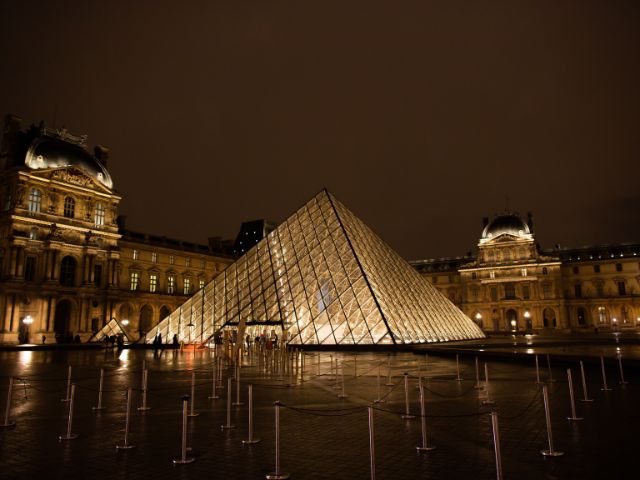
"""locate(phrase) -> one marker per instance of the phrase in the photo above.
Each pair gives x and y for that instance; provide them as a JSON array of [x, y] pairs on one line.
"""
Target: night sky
[[421, 117]]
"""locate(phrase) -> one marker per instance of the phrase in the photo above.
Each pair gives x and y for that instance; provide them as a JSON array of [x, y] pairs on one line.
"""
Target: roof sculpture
[[327, 279]]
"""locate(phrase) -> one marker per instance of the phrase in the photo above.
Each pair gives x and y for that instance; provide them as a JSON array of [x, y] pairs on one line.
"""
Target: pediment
[[73, 176]]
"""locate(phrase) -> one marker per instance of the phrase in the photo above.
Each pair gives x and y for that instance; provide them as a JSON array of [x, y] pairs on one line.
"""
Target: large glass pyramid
[[326, 279]]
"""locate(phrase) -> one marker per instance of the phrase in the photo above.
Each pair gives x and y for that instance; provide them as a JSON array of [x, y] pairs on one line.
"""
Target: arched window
[[68, 271], [69, 207], [99, 214], [35, 200]]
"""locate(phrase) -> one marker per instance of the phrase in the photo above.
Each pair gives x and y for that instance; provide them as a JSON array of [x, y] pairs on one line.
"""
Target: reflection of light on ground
[[124, 355], [25, 356]]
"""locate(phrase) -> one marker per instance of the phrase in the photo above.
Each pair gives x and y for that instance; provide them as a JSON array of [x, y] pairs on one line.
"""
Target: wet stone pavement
[[322, 436]]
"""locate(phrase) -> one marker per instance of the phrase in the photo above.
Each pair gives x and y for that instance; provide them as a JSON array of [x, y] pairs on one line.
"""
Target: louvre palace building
[[67, 264], [511, 285], [69, 268]]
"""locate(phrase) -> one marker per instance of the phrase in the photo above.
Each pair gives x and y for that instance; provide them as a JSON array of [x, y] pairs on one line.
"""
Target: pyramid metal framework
[[326, 279]]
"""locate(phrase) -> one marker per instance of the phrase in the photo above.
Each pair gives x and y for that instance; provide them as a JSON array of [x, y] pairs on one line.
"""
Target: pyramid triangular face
[[326, 279]]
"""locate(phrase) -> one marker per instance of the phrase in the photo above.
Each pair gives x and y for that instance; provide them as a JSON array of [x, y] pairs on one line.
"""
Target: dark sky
[[421, 117]]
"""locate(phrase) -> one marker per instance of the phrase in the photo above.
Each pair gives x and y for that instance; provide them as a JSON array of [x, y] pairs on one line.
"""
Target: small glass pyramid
[[324, 278]]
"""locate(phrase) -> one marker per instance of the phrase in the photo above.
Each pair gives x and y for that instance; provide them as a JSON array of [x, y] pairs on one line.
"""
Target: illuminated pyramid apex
[[323, 277]]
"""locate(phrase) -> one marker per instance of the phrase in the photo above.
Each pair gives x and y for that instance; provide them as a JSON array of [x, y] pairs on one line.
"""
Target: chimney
[[530, 221], [102, 154]]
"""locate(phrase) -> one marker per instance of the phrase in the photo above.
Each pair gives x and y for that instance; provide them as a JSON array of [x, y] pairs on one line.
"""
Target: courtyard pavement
[[322, 435]]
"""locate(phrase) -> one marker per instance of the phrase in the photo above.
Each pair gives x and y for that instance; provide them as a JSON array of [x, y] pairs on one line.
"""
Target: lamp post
[[479, 319], [27, 321], [614, 320], [513, 325]]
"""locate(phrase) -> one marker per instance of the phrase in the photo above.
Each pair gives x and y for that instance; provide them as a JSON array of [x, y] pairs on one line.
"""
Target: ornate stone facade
[[512, 285], [66, 266]]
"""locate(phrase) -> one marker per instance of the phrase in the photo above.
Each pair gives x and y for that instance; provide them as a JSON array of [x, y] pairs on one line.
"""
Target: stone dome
[[48, 152], [508, 223]]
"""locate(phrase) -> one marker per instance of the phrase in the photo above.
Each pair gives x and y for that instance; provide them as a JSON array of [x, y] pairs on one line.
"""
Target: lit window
[[69, 207], [492, 274], [602, 315], [201, 284], [171, 284], [136, 254], [524, 272], [153, 283], [99, 214], [172, 260], [33, 234], [186, 286], [134, 281], [154, 257], [35, 200], [187, 262]]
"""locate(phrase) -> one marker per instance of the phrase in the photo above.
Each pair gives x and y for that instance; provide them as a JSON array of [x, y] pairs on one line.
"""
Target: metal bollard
[[487, 401], [379, 399], [550, 379], [496, 444], [238, 402], [372, 444], [99, 406], [458, 378], [277, 475], [584, 384], [68, 397], [407, 415], [550, 452], [605, 387], [622, 380], [228, 426], [145, 379], [69, 435], [425, 447], [126, 445], [7, 423], [214, 395], [250, 440], [389, 382], [478, 385], [342, 394], [183, 450], [537, 371], [571, 397], [192, 413]]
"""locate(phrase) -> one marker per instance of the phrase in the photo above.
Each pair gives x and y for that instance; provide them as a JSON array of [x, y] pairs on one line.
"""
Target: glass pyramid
[[324, 278]]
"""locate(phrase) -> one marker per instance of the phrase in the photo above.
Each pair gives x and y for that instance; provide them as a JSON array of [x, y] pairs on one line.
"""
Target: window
[[546, 290], [494, 294], [29, 269], [576, 270], [577, 290], [600, 289], [625, 314], [582, 316], [171, 284], [596, 268], [187, 262], [172, 260], [134, 280], [99, 214], [201, 284], [509, 291], [154, 257], [474, 275], [35, 200], [525, 292], [33, 234], [153, 283], [602, 315], [186, 284], [136, 255], [69, 207], [618, 267], [622, 290], [492, 274], [97, 275], [203, 264], [68, 271], [545, 271], [523, 272]]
